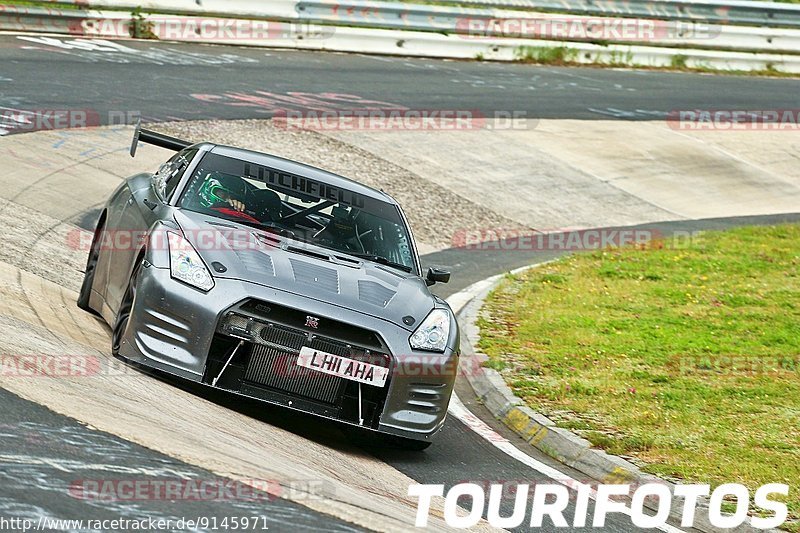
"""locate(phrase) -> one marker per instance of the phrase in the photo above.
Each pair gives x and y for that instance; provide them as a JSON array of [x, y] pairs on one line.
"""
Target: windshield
[[300, 208]]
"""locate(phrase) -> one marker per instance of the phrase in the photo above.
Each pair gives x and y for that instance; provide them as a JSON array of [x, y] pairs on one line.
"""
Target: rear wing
[[156, 139]]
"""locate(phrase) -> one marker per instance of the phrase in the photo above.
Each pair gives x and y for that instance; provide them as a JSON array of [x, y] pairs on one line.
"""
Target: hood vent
[[256, 262], [374, 293], [319, 277]]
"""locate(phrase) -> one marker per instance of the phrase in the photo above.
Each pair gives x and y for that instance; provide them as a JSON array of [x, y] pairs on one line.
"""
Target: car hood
[[249, 254]]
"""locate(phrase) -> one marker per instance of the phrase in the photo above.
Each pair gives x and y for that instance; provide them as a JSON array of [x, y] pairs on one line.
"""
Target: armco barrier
[[678, 34], [463, 21], [88, 24], [416, 43], [744, 12], [67, 22], [450, 21], [432, 17]]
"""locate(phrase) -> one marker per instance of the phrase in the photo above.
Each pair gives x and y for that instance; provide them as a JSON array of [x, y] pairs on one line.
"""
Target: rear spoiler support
[[156, 139]]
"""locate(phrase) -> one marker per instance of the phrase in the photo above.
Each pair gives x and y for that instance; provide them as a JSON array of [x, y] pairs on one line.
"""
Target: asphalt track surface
[[48, 460], [172, 81], [190, 81]]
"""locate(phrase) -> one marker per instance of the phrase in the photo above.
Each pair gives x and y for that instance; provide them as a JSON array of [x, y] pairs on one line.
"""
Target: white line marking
[[460, 411]]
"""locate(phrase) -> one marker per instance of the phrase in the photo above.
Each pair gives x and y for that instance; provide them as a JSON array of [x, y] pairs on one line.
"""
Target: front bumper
[[174, 328]]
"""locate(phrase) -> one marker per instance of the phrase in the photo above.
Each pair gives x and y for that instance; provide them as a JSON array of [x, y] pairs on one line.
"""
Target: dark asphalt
[[189, 81], [171, 81], [51, 466]]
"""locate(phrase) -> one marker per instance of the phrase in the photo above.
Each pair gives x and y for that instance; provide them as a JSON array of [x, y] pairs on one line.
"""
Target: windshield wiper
[[382, 260]]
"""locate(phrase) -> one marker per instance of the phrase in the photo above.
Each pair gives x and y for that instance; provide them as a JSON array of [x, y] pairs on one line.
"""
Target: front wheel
[[125, 309]]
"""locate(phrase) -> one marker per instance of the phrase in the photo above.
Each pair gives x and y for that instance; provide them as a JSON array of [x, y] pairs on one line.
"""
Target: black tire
[[125, 309], [88, 276], [380, 441], [414, 445], [401, 443]]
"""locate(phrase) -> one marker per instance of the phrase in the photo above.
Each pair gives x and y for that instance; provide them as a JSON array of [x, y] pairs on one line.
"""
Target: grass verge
[[683, 357], [44, 5], [546, 55], [569, 57]]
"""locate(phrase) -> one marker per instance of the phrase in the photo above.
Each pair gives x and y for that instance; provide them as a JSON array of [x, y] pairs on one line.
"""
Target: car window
[[170, 173], [301, 208]]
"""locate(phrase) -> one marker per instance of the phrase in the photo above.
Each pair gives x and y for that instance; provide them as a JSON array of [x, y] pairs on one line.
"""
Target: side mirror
[[437, 275]]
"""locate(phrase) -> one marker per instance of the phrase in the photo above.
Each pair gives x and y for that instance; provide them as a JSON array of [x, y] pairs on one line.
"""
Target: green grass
[[48, 5], [565, 56], [678, 61], [546, 55], [686, 358]]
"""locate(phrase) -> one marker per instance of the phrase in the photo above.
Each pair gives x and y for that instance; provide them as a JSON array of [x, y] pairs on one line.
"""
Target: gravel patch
[[436, 214]]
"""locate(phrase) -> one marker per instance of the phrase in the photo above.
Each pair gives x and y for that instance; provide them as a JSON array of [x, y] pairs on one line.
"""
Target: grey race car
[[278, 281]]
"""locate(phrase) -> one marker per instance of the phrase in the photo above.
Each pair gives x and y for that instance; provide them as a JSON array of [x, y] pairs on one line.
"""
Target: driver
[[225, 194], [222, 191]]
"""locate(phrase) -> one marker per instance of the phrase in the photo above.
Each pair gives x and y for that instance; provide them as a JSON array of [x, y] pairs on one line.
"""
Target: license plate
[[343, 367]]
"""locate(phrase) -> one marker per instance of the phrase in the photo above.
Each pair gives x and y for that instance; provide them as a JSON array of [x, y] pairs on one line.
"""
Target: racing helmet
[[218, 188]]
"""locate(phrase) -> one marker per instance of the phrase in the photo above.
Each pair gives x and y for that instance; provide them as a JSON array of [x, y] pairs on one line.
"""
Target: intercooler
[[273, 364]]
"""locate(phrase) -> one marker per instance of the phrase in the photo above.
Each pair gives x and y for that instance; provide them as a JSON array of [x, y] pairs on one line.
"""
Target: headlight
[[433, 333], [185, 264]]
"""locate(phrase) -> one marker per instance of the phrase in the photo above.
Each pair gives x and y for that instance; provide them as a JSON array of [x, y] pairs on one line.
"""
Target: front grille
[[284, 337], [268, 312], [272, 363]]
